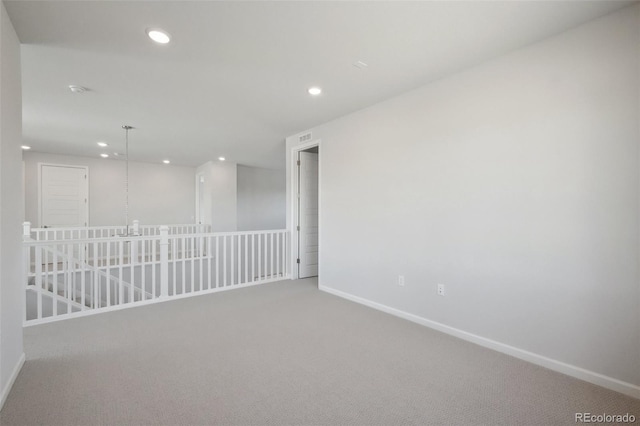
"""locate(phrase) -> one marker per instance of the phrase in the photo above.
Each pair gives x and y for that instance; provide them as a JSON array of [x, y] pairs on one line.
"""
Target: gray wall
[[261, 198], [11, 204], [220, 195], [515, 184], [158, 193]]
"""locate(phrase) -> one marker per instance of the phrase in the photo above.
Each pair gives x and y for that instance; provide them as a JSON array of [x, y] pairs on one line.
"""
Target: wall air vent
[[305, 138]]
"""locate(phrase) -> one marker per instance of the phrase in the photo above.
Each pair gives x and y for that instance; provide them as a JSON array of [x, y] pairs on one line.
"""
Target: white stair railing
[[102, 274], [57, 274]]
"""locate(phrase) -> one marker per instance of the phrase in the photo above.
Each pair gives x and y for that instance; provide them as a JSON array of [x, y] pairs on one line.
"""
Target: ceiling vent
[[305, 138]]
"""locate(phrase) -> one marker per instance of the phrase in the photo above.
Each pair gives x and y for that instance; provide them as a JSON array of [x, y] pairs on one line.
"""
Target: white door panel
[[308, 215], [64, 193]]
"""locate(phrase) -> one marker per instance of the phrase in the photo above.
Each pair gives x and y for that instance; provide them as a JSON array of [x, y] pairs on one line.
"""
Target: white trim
[[12, 379], [74, 166], [293, 208], [552, 364]]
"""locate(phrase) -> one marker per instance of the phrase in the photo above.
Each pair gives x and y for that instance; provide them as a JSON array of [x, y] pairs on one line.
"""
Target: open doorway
[[307, 219], [303, 221]]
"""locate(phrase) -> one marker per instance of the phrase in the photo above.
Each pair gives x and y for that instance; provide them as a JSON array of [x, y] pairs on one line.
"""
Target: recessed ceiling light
[[166, 161], [102, 144], [25, 147], [158, 35], [315, 91], [104, 155], [221, 158], [77, 89]]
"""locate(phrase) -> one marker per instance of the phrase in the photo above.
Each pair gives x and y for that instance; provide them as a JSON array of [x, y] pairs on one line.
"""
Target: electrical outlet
[[440, 289], [401, 280]]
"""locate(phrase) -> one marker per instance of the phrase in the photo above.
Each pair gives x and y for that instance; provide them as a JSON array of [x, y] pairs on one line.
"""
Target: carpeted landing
[[281, 354]]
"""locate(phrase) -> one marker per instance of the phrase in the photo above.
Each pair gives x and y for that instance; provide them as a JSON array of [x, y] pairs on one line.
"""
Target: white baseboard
[[12, 379], [552, 364]]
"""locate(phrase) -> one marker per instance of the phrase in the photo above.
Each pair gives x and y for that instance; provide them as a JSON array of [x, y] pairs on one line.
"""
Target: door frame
[[75, 166], [293, 196]]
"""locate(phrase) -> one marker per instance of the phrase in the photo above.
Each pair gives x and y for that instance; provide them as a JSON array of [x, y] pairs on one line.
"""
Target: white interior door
[[308, 214], [201, 207], [64, 196]]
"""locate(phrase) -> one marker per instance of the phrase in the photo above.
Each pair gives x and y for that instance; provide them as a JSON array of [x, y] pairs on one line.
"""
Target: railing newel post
[[164, 261], [26, 259]]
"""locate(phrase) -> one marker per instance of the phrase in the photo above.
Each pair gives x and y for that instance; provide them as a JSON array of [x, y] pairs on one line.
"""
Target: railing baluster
[[63, 285], [253, 257], [217, 263], [224, 260], [164, 262], [259, 257], [271, 235], [153, 269], [46, 282], [108, 284], [38, 271], [120, 264], [72, 272], [55, 283], [174, 256], [265, 260], [278, 255], [184, 268], [143, 270], [132, 273], [208, 254], [286, 255], [200, 262], [192, 244], [232, 264], [239, 262], [96, 252], [83, 288], [95, 289], [246, 258]]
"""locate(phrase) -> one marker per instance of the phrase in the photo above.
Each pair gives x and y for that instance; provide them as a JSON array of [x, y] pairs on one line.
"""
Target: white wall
[[261, 198], [515, 184], [11, 205], [220, 198], [158, 193]]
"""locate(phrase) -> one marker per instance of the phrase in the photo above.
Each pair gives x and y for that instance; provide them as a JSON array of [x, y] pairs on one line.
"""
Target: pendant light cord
[[126, 178]]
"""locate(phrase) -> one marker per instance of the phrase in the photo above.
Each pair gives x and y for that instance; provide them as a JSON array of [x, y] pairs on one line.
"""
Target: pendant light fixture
[[126, 178]]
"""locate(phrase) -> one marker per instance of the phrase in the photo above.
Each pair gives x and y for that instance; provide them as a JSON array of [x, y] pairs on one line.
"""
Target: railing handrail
[[106, 231], [125, 238], [73, 228]]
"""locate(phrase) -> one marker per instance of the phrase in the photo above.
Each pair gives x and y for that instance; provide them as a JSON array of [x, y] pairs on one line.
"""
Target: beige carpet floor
[[281, 354]]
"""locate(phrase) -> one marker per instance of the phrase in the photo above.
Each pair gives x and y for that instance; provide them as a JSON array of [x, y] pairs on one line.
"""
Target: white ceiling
[[234, 79]]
